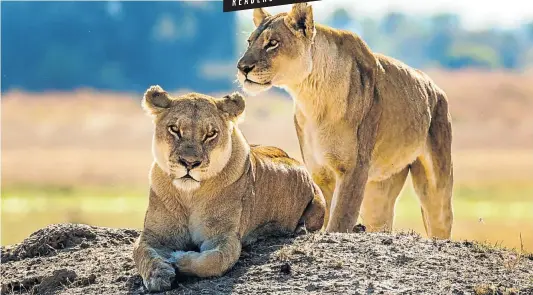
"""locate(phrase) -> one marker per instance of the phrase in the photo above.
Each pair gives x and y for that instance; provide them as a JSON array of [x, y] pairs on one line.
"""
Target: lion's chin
[[253, 88], [186, 184]]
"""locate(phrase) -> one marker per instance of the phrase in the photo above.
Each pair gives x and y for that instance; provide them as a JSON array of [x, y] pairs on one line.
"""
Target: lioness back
[[283, 179]]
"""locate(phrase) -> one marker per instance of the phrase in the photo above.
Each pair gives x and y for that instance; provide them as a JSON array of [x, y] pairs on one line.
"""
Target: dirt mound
[[47, 241], [80, 259]]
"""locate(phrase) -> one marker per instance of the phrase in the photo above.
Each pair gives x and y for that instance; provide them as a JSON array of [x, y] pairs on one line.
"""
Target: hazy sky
[[474, 13]]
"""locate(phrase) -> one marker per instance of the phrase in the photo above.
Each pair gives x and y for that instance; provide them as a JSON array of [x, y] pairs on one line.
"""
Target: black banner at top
[[234, 5]]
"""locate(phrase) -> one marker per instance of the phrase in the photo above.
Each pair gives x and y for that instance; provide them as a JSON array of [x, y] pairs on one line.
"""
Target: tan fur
[[236, 192], [363, 119]]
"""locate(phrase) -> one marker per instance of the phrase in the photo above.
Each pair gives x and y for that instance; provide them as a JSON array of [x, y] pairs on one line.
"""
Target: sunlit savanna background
[[76, 146]]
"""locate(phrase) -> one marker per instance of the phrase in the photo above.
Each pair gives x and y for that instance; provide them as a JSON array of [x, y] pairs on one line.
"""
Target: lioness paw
[[183, 261], [182, 258], [160, 278]]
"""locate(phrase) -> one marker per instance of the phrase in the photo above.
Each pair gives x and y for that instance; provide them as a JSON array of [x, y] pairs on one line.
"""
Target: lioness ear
[[259, 16], [155, 100], [300, 19], [232, 105]]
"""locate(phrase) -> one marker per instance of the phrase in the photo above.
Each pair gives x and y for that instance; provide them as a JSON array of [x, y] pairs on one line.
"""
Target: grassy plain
[[497, 215]]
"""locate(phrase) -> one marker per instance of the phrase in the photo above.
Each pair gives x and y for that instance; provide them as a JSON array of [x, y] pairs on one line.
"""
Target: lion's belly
[[397, 146], [400, 140], [388, 161]]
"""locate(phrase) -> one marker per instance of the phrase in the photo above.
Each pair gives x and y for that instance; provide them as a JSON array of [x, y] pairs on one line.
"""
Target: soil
[[82, 259]]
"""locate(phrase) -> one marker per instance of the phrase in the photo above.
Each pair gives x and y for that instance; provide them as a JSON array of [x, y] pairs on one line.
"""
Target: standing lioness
[[363, 119], [211, 192]]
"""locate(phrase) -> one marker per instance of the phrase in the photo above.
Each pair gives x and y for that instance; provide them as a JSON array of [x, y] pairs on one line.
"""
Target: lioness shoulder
[[211, 192]]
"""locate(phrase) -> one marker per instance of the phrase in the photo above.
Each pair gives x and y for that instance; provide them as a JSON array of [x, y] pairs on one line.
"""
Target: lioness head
[[192, 137], [279, 50]]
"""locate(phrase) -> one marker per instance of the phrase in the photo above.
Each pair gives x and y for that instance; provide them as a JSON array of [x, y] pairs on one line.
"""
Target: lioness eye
[[272, 43], [174, 130], [210, 135]]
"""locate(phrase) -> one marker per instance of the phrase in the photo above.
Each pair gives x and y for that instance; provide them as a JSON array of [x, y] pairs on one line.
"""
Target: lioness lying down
[[211, 192]]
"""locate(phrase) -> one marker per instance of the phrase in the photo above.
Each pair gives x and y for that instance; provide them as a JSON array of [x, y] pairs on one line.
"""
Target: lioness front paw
[[160, 277], [182, 260]]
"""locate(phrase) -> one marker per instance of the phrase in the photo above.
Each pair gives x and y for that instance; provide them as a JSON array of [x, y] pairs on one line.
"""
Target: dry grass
[[489, 110], [74, 137], [97, 139]]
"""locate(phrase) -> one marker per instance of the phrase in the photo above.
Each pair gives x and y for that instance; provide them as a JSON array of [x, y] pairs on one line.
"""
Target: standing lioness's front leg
[[321, 175], [352, 179], [347, 199]]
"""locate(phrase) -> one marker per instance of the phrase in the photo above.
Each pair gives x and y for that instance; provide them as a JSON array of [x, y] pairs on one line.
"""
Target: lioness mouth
[[253, 82], [188, 176]]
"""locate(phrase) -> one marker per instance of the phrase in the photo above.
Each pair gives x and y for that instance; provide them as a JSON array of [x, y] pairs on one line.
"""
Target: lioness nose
[[245, 68], [189, 164]]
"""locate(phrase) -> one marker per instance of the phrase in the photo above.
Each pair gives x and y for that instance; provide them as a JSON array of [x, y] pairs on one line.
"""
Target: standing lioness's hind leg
[[377, 210], [432, 174]]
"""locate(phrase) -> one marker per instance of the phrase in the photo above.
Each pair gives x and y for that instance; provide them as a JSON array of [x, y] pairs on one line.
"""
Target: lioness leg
[[322, 176], [347, 200], [351, 180], [216, 256], [313, 216], [156, 272], [377, 210], [432, 176], [326, 182]]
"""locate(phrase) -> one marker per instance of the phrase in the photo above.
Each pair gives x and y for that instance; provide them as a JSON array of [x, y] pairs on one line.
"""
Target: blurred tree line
[[120, 46], [127, 46], [440, 40]]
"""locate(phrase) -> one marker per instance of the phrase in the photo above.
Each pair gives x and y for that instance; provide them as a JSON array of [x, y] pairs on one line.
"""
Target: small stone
[[286, 268], [387, 241], [359, 228], [121, 279]]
